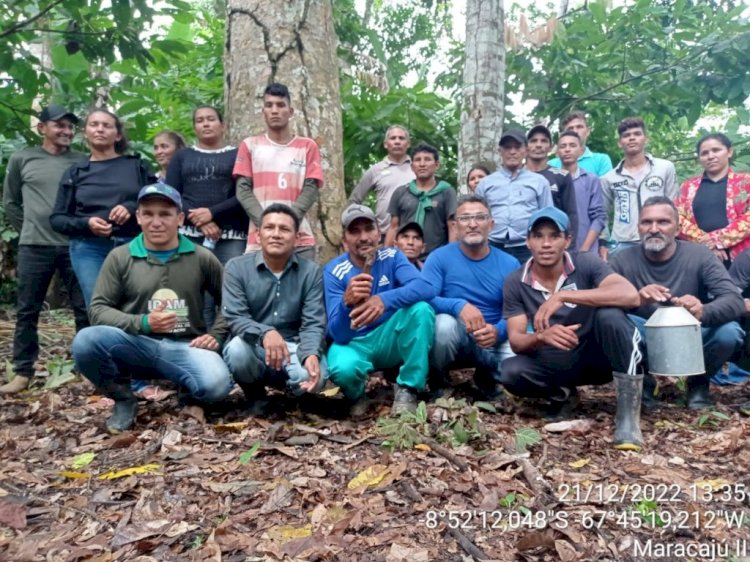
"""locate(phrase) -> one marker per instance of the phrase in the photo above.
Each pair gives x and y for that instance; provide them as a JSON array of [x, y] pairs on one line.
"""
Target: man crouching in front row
[[567, 327], [147, 313]]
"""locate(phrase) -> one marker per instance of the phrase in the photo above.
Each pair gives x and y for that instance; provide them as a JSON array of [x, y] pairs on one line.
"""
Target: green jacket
[[30, 189], [131, 283]]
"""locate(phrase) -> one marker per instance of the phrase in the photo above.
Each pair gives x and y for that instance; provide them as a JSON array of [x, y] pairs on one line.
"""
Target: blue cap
[[553, 214], [161, 190]]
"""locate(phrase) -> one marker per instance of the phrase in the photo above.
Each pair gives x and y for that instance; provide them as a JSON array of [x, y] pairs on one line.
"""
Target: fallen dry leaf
[[399, 553], [145, 469], [13, 514], [572, 426]]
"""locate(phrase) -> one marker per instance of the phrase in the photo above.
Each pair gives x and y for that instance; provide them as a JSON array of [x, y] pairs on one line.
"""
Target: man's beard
[[655, 243]]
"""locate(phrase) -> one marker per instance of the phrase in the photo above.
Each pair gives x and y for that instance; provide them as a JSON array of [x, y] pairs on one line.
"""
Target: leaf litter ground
[[303, 482]]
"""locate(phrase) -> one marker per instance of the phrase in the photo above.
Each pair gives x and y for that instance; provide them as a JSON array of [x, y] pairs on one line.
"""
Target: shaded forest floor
[[305, 483]]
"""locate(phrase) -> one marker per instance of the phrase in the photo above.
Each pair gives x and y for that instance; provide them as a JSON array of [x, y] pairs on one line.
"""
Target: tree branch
[[13, 28]]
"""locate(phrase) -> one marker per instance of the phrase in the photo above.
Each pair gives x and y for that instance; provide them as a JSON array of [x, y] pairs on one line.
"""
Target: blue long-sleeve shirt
[[512, 200], [459, 280], [395, 280]]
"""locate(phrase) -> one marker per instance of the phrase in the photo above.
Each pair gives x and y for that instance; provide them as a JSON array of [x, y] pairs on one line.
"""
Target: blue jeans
[[106, 353], [36, 267], [224, 250], [719, 342], [455, 348], [87, 256], [615, 247], [247, 363]]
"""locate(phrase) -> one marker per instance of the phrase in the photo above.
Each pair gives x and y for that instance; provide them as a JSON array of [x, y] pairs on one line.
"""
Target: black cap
[[56, 112], [411, 226], [539, 129], [515, 135]]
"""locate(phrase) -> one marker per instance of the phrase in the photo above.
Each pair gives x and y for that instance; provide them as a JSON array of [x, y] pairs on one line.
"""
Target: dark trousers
[[36, 267], [521, 253], [552, 373]]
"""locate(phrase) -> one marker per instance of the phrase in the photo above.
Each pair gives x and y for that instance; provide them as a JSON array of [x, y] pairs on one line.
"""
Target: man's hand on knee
[[206, 341], [472, 317], [486, 336], [312, 366], [367, 312], [276, 350]]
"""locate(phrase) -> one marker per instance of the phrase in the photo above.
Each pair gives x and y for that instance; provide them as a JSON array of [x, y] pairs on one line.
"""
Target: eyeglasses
[[479, 218]]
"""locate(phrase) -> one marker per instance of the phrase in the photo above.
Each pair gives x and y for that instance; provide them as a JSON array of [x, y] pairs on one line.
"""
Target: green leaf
[[250, 453], [10, 374], [486, 406], [526, 437], [459, 433], [60, 373], [84, 459]]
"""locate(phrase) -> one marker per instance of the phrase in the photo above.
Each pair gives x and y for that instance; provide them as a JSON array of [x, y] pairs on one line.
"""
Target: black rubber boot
[[562, 407], [650, 396], [698, 393], [125, 409], [628, 435]]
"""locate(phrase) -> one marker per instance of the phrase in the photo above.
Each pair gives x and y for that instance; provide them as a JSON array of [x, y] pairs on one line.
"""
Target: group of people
[[208, 277]]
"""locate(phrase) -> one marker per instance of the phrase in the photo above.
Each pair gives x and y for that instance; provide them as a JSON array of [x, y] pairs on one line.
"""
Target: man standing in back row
[[31, 184], [636, 178], [278, 167], [595, 162], [513, 194], [387, 175], [539, 140]]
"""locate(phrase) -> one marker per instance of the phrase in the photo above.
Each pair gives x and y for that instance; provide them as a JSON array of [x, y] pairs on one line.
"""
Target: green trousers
[[405, 338]]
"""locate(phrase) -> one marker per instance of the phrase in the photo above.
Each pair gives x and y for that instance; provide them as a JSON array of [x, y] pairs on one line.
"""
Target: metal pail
[[674, 343]]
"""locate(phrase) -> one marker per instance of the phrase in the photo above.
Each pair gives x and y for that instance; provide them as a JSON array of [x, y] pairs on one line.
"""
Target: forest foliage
[[680, 64]]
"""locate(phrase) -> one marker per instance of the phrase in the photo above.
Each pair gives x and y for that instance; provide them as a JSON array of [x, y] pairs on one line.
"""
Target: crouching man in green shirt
[[146, 313]]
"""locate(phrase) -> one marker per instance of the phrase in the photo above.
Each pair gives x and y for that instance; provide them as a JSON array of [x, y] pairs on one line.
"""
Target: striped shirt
[[279, 172]]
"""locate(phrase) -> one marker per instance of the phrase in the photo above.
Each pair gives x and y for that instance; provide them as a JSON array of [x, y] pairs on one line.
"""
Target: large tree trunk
[[483, 89], [292, 42]]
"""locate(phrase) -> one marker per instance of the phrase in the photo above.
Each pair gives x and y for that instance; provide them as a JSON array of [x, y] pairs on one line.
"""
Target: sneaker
[[404, 400], [561, 410], [18, 384]]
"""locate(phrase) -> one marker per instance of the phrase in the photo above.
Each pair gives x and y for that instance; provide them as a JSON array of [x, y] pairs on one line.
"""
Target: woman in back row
[[96, 202], [714, 206], [203, 175]]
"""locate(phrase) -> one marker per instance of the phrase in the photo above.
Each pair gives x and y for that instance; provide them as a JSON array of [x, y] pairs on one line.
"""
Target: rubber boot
[[650, 398], [629, 389], [125, 408], [698, 393]]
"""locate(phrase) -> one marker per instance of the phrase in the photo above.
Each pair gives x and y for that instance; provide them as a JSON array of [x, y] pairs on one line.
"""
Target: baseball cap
[[161, 190], [411, 226], [550, 213], [55, 112], [513, 134], [354, 212], [539, 129]]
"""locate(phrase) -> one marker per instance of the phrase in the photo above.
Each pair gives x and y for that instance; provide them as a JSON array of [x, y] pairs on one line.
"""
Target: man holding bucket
[[670, 271]]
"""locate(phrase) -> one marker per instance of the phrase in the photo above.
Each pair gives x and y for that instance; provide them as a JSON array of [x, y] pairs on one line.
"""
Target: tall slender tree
[[483, 85], [292, 42]]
